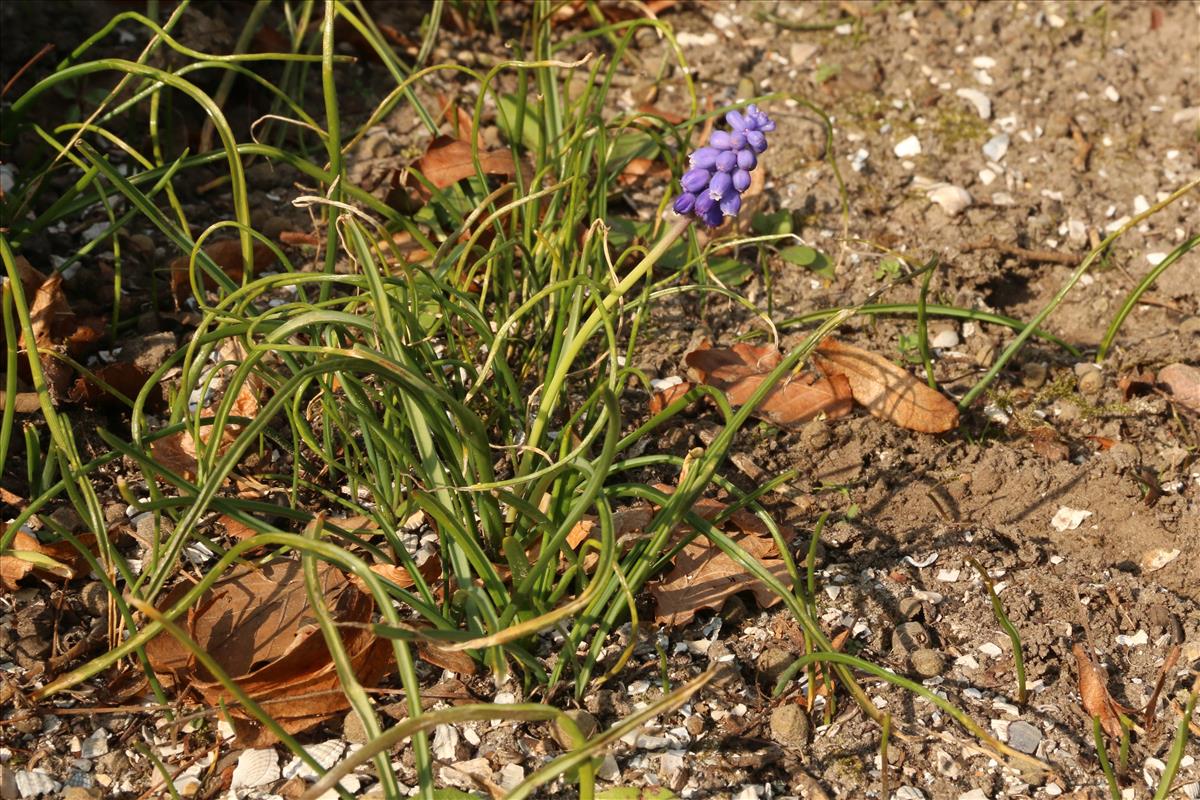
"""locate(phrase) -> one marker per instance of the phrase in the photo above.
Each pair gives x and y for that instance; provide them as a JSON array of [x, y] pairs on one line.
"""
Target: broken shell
[[982, 103], [952, 199]]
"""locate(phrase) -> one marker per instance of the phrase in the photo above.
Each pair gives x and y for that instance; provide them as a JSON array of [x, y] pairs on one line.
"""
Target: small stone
[[908, 793], [1089, 378], [981, 102], [952, 199], [94, 598], [82, 793], [974, 794], [1076, 233], [1158, 557], [911, 607], [944, 339], [1112, 94], [790, 727], [772, 663], [609, 770], [907, 148], [996, 147], [586, 723], [927, 662], [908, 637], [1023, 736], [1033, 374], [991, 649], [986, 177], [353, 730], [983, 62], [511, 776]]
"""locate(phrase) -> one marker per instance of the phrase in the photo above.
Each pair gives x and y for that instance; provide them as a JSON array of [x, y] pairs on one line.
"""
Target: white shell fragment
[[995, 147], [981, 102], [944, 339], [907, 148], [952, 199], [1157, 558], [324, 753], [922, 562], [33, 783], [255, 768], [1068, 519]]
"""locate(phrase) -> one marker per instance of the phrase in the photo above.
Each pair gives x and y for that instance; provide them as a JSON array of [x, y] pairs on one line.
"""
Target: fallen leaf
[[703, 575], [124, 376], [661, 399], [639, 168], [1182, 384], [178, 451], [226, 254], [257, 624], [449, 160], [456, 661], [23, 402], [886, 390], [1093, 690], [740, 370], [47, 559], [1136, 384]]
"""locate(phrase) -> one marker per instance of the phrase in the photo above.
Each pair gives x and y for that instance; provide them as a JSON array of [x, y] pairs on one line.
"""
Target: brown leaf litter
[[258, 625]]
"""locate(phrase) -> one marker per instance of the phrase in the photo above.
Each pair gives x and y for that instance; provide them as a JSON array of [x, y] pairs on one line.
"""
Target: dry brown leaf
[[70, 563], [703, 576], [23, 402], [660, 400], [740, 370], [456, 661], [178, 451], [886, 390], [226, 254], [1093, 690], [1182, 384], [639, 168], [449, 160], [124, 376], [258, 625]]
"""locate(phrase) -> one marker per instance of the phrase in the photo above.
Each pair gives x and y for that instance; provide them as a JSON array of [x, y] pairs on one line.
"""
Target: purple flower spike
[[704, 158], [720, 172], [694, 180]]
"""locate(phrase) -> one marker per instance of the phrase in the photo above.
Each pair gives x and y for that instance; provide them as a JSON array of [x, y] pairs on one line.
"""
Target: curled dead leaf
[[886, 390], [1093, 690], [123, 376], [661, 399], [258, 625], [739, 371]]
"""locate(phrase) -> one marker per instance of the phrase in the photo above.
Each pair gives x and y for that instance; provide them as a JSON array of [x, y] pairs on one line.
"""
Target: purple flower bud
[[741, 180], [721, 185], [727, 161], [704, 204], [756, 140], [720, 140], [737, 139], [694, 180], [731, 204], [704, 158], [713, 216], [684, 203], [746, 160], [735, 120]]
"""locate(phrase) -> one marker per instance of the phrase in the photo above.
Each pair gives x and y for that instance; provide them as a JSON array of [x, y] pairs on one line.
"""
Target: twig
[[46, 48], [1083, 147], [1044, 256]]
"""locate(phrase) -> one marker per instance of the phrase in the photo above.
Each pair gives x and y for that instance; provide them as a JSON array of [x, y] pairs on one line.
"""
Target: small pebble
[[772, 663], [1112, 94], [907, 148], [1023, 736], [952, 199], [585, 721], [944, 339], [1033, 374], [1089, 378]]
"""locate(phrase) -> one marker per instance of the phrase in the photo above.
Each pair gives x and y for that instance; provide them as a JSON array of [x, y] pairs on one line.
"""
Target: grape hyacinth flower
[[720, 172]]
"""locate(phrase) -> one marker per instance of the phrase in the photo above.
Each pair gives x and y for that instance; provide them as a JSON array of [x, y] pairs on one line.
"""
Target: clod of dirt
[[790, 727], [927, 662], [1089, 379], [771, 664], [586, 723]]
